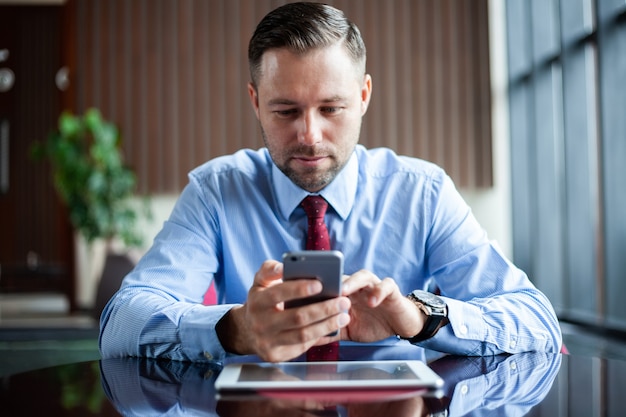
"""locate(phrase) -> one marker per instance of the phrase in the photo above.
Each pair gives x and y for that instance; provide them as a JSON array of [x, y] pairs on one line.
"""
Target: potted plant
[[91, 179]]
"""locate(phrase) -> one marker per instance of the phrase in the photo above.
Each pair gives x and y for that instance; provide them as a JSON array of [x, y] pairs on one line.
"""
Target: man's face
[[310, 108]]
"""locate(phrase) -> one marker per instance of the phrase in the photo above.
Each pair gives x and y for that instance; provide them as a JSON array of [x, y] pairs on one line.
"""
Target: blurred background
[[521, 101]]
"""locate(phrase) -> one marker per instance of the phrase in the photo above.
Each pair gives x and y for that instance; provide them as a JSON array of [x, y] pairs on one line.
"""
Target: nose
[[309, 129]]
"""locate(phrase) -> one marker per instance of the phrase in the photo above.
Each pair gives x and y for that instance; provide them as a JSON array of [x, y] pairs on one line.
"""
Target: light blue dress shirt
[[396, 216]]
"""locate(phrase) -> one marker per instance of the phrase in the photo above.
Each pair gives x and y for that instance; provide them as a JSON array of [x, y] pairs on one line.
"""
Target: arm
[[158, 311], [492, 305]]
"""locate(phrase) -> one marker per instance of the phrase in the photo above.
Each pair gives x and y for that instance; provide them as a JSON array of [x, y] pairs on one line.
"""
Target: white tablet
[[341, 375]]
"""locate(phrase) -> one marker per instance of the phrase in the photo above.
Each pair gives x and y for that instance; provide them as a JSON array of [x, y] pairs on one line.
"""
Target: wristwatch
[[436, 311]]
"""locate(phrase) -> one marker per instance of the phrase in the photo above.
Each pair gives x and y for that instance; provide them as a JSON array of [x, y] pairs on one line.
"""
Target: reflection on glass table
[[533, 385], [497, 385]]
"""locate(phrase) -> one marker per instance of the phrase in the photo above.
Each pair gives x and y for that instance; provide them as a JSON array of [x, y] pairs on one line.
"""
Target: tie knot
[[314, 206]]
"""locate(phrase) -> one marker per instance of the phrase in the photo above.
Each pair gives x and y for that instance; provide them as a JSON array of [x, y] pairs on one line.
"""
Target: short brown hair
[[301, 27]]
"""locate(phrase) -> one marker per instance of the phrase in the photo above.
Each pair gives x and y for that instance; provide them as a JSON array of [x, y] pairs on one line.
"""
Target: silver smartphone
[[325, 266]]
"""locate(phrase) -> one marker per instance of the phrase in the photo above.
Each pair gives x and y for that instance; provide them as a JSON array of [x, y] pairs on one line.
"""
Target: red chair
[[210, 296]]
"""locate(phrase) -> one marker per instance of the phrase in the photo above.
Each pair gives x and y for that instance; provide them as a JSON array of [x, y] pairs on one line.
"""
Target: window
[[567, 99]]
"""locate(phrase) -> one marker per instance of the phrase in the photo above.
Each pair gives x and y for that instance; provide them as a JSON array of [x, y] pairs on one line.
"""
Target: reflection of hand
[[379, 310], [269, 407], [254, 372], [413, 407], [361, 373], [303, 407], [262, 326]]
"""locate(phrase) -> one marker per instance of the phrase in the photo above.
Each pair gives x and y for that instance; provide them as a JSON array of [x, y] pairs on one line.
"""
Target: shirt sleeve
[[158, 311], [492, 305]]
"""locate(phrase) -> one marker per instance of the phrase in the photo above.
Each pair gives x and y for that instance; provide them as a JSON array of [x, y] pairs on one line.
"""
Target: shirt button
[[513, 366], [463, 329], [512, 344], [464, 389], [208, 355]]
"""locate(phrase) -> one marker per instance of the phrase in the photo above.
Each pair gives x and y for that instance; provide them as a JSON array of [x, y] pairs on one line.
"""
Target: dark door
[[35, 237]]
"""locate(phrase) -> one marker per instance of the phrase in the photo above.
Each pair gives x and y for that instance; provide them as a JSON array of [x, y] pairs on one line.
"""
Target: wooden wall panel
[[173, 75]]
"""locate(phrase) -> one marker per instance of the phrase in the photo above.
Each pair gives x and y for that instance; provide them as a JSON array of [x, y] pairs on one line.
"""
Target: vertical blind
[[173, 76]]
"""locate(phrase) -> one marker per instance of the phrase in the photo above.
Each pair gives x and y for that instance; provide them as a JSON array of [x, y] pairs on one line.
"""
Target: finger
[[289, 344], [275, 326], [308, 315], [317, 334], [270, 275], [275, 296], [306, 325], [300, 289], [265, 292], [385, 290], [357, 281]]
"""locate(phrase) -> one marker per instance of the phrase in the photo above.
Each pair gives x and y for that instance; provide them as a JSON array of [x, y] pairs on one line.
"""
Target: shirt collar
[[340, 193]]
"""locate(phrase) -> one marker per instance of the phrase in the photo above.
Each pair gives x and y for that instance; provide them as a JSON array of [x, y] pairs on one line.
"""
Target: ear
[[366, 93], [254, 98]]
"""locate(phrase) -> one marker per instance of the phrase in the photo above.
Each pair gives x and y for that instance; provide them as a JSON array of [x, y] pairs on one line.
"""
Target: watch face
[[428, 298]]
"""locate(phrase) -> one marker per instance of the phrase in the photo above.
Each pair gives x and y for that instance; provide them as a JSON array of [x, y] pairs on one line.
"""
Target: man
[[399, 222]]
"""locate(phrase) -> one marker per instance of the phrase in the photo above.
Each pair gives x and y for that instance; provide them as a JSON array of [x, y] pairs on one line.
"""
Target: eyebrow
[[279, 101], [287, 102]]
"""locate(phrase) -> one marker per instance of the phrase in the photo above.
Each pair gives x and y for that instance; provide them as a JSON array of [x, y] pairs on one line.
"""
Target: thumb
[[270, 273]]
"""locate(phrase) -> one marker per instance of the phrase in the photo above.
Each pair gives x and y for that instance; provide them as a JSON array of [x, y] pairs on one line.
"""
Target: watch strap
[[435, 320], [431, 327]]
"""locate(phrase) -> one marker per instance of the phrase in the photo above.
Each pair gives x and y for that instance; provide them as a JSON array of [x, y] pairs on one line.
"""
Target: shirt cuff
[[466, 320], [465, 332], [198, 337]]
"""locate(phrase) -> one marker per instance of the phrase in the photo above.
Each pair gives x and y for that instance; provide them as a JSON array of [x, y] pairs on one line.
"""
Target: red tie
[[317, 239]]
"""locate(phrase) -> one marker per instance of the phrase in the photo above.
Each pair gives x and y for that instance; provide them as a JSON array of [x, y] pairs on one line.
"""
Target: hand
[[263, 326], [379, 309]]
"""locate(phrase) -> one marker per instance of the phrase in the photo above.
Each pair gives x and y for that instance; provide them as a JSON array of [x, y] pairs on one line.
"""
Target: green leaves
[[90, 176]]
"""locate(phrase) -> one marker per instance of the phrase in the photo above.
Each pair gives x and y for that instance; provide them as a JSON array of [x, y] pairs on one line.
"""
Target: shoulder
[[244, 164], [384, 162]]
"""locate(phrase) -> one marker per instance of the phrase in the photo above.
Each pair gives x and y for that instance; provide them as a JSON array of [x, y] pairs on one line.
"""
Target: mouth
[[310, 161]]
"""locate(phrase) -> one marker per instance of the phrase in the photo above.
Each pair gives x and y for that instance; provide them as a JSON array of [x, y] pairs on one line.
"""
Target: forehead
[[326, 70]]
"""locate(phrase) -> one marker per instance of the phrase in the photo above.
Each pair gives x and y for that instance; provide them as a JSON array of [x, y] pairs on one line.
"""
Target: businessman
[[401, 224]]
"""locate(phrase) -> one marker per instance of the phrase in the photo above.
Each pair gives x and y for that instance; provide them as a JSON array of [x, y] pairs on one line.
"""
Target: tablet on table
[[327, 376]]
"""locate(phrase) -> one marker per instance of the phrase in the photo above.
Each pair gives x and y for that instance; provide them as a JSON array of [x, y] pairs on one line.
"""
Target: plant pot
[[89, 263]]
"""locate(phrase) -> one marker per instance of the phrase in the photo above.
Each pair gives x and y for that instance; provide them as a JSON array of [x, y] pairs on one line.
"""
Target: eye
[[285, 113], [331, 110]]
